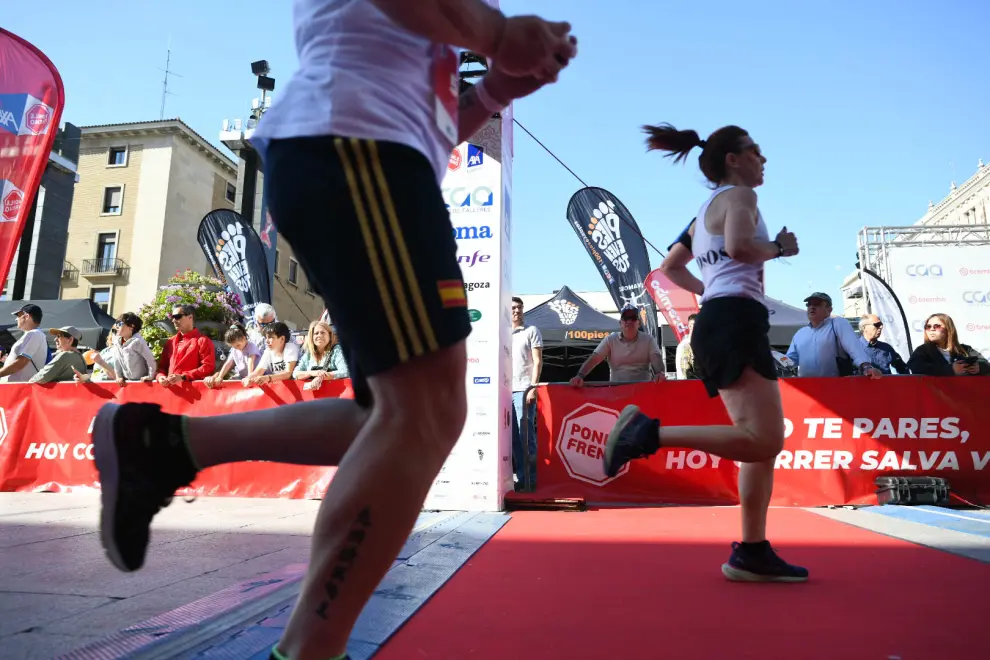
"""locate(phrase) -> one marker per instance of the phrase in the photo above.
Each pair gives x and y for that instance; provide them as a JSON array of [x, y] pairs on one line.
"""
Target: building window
[[106, 251], [231, 192], [293, 271], [276, 263], [117, 157], [101, 297], [113, 200]]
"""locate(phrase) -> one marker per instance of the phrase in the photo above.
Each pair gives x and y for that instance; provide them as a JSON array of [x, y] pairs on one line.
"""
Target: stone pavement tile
[[265, 564], [41, 555], [164, 565], [29, 502], [37, 645], [119, 614], [19, 535], [20, 611]]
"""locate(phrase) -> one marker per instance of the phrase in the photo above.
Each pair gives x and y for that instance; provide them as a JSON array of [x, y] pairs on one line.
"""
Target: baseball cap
[[628, 308], [818, 295], [72, 331], [32, 310]]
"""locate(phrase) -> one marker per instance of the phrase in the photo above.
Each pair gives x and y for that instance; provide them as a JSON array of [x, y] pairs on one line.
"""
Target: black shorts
[[730, 334], [367, 222]]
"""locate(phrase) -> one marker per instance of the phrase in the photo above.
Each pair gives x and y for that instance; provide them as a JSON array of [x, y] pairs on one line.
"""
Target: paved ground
[[58, 592]]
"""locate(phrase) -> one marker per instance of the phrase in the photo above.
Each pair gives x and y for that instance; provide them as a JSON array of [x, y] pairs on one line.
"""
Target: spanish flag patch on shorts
[[452, 293]]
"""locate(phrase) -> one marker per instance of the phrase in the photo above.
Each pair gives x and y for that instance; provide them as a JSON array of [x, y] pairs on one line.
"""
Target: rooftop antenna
[[168, 72]]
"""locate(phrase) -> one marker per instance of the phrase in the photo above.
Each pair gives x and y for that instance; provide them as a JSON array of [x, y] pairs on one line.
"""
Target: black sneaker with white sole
[[142, 459], [759, 562], [634, 436]]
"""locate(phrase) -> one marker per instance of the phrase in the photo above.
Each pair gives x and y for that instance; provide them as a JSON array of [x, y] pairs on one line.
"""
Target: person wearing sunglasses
[[188, 355], [943, 355], [882, 355]]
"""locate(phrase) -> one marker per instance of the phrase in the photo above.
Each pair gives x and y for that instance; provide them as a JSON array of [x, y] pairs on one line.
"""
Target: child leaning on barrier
[[242, 359]]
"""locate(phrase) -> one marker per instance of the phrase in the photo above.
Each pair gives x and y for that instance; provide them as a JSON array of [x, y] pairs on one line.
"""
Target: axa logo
[[976, 297], [475, 156], [605, 231], [921, 270]]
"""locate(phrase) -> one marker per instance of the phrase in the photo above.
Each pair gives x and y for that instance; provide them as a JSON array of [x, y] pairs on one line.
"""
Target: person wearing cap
[[29, 353], [828, 346], [631, 353], [67, 360]]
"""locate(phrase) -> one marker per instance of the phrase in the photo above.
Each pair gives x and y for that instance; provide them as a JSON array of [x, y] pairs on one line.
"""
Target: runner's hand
[[788, 242], [505, 88], [531, 46]]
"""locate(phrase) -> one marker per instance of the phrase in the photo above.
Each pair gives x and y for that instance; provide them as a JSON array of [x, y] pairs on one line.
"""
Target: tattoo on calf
[[345, 560]]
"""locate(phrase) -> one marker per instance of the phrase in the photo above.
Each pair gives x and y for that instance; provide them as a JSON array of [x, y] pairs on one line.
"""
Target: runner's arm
[[740, 229], [674, 266], [469, 24]]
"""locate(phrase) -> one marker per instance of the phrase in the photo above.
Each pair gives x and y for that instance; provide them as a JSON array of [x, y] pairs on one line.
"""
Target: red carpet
[[645, 583]]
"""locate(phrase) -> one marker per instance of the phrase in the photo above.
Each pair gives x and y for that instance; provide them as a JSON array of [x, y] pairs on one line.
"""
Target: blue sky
[[865, 111]]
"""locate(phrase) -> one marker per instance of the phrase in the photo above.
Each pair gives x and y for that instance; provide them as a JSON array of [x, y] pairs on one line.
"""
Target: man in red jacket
[[188, 355]]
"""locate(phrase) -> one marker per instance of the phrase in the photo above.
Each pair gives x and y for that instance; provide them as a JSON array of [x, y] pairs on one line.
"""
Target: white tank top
[[722, 275], [360, 75]]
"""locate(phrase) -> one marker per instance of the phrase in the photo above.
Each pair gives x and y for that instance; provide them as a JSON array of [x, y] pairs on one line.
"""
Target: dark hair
[[692, 317], [132, 320], [278, 329], [517, 299], [188, 310], [719, 144], [234, 333]]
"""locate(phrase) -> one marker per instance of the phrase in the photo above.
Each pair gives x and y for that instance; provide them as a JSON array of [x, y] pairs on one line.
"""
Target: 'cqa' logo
[[976, 297], [920, 270], [232, 252], [603, 227], [566, 310]]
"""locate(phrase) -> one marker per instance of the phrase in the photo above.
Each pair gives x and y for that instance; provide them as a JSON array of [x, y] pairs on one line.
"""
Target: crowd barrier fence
[[841, 433]]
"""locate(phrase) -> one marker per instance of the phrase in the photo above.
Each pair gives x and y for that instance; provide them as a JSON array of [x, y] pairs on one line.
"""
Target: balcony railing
[[69, 272], [104, 267]]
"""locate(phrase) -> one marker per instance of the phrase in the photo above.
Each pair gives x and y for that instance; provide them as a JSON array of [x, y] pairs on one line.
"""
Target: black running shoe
[[634, 436], [142, 459], [760, 563]]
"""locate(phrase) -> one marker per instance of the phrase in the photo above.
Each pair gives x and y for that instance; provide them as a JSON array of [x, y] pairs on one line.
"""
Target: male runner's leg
[[368, 223]]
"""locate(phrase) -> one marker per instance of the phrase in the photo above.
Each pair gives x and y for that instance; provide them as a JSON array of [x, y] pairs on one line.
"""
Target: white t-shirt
[[273, 363], [360, 75], [32, 345], [524, 340]]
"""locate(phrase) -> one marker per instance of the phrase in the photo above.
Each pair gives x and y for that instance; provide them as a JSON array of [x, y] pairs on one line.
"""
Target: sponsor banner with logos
[[238, 256], [473, 476], [45, 441], [953, 280], [612, 238], [675, 303], [841, 434], [31, 101]]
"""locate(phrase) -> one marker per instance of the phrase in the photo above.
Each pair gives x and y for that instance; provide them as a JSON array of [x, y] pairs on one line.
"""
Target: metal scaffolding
[[874, 243]]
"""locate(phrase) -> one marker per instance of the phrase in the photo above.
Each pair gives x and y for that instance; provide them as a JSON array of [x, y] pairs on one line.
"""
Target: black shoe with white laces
[[142, 458], [634, 436]]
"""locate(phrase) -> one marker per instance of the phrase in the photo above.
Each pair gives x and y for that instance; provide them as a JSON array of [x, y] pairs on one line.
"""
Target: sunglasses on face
[[878, 326], [176, 317], [630, 318], [933, 326]]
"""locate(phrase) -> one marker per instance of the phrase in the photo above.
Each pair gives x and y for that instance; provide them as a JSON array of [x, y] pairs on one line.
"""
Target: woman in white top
[[130, 356], [730, 244]]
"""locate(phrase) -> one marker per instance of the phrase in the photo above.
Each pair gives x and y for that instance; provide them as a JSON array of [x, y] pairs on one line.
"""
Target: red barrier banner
[[31, 101], [45, 435], [841, 435]]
